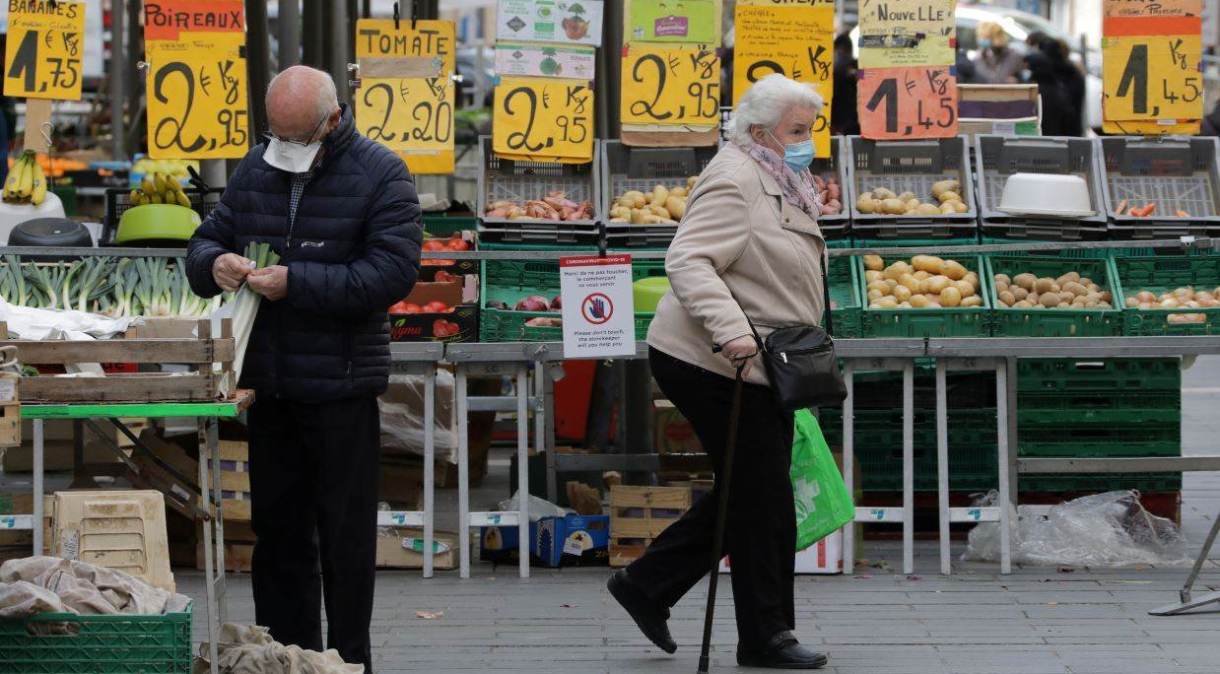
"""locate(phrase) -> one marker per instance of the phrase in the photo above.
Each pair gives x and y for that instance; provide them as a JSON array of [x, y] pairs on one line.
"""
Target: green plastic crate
[[1115, 376], [1110, 440], [443, 224], [60, 643], [969, 322], [1053, 322], [1065, 418], [1164, 274], [845, 294], [914, 243], [1101, 482], [1077, 253]]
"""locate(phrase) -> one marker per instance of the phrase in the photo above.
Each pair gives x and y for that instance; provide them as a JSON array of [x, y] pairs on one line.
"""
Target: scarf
[[798, 189]]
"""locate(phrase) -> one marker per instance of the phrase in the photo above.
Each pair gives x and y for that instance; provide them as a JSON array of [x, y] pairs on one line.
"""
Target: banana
[[10, 184], [39, 191], [184, 200], [17, 179], [156, 198], [27, 176], [147, 186], [136, 198], [159, 183]]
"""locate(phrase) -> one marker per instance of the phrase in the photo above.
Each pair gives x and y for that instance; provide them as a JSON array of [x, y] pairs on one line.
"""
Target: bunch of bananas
[[177, 168], [26, 183], [160, 188]]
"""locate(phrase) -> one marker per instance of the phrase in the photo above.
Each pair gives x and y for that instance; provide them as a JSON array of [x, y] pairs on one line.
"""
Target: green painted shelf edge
[[226, 410]]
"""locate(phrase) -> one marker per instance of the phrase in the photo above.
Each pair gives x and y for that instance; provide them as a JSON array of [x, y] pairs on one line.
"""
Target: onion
[[533, 303]]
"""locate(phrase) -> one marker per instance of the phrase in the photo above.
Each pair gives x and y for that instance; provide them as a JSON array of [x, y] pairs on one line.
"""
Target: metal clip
[[396, 17], [143, 65]]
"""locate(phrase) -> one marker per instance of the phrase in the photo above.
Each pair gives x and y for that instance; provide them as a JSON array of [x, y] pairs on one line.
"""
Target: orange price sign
[[918, 102]]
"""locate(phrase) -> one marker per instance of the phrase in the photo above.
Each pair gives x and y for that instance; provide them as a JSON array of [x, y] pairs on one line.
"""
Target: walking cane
[[722, 513]]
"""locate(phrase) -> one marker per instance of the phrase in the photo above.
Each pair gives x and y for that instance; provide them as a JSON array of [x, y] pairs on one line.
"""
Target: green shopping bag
[[822, 502]]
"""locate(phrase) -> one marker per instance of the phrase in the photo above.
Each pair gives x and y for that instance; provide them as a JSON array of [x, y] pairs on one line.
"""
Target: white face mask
[[291, 157]]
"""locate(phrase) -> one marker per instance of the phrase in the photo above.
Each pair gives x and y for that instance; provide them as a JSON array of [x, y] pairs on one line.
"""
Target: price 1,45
[[1152, 77], [543, 118], [916, 102]]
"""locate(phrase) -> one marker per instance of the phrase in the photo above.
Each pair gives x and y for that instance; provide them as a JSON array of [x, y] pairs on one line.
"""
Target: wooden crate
[[638, 515], [10, 424], [210, 361]]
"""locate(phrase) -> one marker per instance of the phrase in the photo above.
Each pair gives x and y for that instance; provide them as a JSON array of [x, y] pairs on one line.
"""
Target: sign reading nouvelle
[[598, 306]]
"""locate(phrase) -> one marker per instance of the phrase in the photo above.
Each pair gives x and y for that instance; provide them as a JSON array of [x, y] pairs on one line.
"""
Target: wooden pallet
[[209, 359], [638, 515]]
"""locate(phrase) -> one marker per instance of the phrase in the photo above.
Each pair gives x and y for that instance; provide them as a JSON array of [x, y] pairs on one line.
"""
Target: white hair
[[765, 103], [327, 96]]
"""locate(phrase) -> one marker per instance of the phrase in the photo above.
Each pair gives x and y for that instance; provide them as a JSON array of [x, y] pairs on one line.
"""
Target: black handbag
[[801, 364]]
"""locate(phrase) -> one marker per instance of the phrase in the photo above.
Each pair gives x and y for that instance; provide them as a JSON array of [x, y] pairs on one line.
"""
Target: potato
[[866, 195], [907, 196], [874, 263], [954, 270], [867, 205], [922, 275], [964, 287], [1019, 292], [947, 208], [659, 211], [948, 196], [891, 283], [893, 206], [1043, 285], [1075, 288], [1080, 302], [919, 301], [958, 206], [973, 278], [903, 293], [1132, 303], [678, 191], [950, 297], [1023, 304], [901, 267], [972, 301], [676, 207], [659, 194], [883, 193], [1007, 298], [872, 275], [1049, 300], [1106, 296], [941, 186], [690, 182], [910, 282], [887, 303], [875, 294], [928, 263], [1000, 286], [1064, 305], [1003, 277], [936, 284], [927, 209], [1070, 276], [880, 285]]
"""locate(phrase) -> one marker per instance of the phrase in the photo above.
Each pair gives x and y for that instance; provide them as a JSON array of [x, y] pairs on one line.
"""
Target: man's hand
[[740, 351], [270, 282], [229, 270]]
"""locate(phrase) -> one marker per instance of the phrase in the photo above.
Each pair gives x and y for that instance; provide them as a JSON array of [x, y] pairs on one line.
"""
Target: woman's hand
[[740, 351]]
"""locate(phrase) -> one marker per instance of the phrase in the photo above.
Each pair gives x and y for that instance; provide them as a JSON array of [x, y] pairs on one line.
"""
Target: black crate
[[118, 200], [627, 168], [998, 157], [520, 181], [1179, 174]]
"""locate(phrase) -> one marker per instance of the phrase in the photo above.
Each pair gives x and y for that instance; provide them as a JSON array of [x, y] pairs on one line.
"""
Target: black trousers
[[313, 481], [760, 536]]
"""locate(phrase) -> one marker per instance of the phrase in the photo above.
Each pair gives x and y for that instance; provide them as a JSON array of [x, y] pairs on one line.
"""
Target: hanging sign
[[670, 86], [544, 60], [1151, 64], [197, 91], [907, 103], [909, 33], [44, 50], [406, 98], [684, 21], [559, 21], [598, 306], [543, 118], [797, 42]]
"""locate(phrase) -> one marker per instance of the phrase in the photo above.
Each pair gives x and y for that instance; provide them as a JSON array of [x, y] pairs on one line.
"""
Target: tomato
[[399, 307], [412, 308], [435, 307], [433, 245], [442, 328], [445, 277], [458, 243]]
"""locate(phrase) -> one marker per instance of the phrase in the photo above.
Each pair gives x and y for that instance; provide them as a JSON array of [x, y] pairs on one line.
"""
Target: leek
[[246, 303]]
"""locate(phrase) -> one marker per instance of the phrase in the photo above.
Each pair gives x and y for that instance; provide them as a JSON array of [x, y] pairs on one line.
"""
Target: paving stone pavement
[[1035, 621]]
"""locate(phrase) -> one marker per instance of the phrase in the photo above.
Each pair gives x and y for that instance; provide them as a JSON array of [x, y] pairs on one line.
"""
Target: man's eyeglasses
[[269, 136]]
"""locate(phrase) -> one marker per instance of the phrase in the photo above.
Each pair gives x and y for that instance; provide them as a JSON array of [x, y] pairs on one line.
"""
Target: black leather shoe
[[783, 651], [647, 616]]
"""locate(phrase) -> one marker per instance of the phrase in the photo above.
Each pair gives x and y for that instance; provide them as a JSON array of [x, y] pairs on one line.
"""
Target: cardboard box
[[822, 558], [459, 325], [121, 529], [404, 549], [573, 540], [672, 433], [1000, 109], [17, 544]]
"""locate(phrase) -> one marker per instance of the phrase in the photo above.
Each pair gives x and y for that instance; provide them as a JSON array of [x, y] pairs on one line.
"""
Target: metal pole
[[942, 464], [289, 33], [849, 459], [133, 79], [461, 403], [337, 54], [118, 66], [609, 72], [908, 468], [311, 29], [39, 439], [429, 468], [258, 57]]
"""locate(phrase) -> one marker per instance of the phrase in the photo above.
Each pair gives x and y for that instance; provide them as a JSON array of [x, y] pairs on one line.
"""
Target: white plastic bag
[[539, 507], [1101, 531], [402, 416], [40, 324]]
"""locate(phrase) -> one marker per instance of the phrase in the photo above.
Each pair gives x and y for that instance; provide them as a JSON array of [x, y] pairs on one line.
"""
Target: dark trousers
[[313, 481], [760, 535]]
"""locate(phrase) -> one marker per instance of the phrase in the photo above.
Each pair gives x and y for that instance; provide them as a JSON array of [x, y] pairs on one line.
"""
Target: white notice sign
[[598, 306]]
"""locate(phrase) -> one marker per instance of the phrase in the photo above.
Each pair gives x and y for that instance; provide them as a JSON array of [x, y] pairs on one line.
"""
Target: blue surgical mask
[[985, 43], [798, 156]]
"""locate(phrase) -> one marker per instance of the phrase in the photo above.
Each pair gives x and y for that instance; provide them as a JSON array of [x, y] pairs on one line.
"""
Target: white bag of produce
[[41, 324]]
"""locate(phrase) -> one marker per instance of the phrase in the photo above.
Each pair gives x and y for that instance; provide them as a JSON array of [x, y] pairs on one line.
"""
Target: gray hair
[[327, 98], [765, 102]]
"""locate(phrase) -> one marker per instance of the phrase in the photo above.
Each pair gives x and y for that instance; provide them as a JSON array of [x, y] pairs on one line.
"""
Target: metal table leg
[[39, 544], [942, 465], [1188, 603], [908, 468], [429, 468], [523, 469], [1008, 448], [460, 393], [849, 462], [209, 561]]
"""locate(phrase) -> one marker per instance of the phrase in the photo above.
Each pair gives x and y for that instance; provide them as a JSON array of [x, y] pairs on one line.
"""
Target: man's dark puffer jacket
[[352, 252]]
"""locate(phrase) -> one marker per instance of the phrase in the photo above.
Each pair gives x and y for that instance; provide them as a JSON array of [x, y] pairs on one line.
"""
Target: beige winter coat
[[740, 235]]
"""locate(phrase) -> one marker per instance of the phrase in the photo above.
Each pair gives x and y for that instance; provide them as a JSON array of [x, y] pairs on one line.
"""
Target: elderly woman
[[748, 250], [996, 62]]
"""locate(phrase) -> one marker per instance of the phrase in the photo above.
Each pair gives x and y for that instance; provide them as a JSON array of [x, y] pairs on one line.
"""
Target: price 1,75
[[918, 102]]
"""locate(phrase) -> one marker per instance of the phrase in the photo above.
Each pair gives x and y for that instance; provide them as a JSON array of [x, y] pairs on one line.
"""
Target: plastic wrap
[[1102, 530], [539, 508], [40, 324], [402, 416]]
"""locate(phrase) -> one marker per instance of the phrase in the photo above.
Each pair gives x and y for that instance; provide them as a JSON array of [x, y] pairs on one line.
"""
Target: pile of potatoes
[[662, 206], [926, 282], [882, 201], [1069, 291], [1181, 298]]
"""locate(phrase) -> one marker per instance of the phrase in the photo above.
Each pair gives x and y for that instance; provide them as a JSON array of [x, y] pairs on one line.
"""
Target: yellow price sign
[[670, 86], [407, 96], [42, 56], [543, 118], [1147, 77], [797, 42], [197, 92]]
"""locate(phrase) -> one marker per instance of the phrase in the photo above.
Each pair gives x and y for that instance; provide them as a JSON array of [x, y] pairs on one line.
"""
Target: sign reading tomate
[[907, 102], [1151, 63], [670, 85], [795, 41], [42, 56], [543, 118], [197, 92], [406, 98]]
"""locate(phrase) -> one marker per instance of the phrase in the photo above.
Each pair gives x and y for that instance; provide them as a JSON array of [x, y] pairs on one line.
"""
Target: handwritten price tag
[[794, 41], [909, 33], [907, 103], [546, 119], [1151, 69], [670, 86], [42, 57]]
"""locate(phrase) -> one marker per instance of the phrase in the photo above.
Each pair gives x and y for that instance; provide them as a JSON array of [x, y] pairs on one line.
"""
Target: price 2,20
[[63, 71], [430, 120]]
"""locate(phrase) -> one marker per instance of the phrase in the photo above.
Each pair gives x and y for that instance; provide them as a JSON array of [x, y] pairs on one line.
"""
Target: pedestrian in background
[[1070, 78], [343, 215], [996, 62], [1056, 112], [748, 254], [844, 119]]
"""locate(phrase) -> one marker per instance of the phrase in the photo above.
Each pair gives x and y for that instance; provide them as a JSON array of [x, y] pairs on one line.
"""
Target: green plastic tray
[[442, 224], [59, 643], [970, 322], [913, 243], [1102, 482], [845, 294], [1080, 253], [1162, 274], [1053, 322], [1113, 376]]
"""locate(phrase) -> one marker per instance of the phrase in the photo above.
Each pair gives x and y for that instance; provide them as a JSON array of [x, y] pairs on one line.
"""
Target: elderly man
[[343, 215]]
